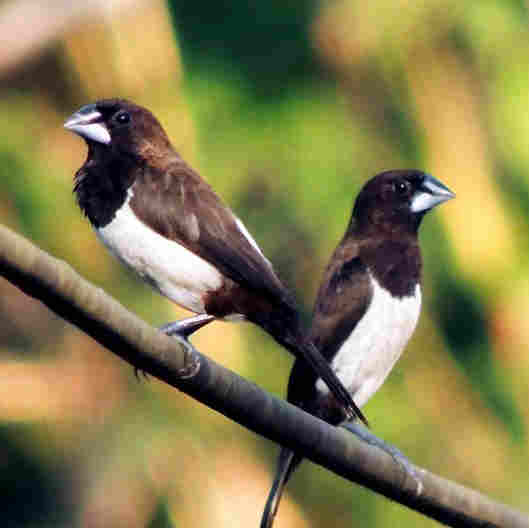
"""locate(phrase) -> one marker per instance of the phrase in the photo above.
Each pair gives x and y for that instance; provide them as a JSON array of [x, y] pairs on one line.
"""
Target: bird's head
[[397, 200], [118, 126]]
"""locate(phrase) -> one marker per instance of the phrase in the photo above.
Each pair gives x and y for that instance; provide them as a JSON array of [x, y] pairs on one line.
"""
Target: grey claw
[[186, 327]]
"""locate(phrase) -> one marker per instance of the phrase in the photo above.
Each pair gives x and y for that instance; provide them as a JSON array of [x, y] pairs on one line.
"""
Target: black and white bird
[[162, 220], [367, 306]]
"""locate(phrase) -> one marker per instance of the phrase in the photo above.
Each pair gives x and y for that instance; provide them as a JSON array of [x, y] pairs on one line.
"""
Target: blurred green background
[[286, 108]]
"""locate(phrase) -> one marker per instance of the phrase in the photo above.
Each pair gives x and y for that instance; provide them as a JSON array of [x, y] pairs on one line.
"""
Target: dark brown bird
[[162, 220], [367, 306]]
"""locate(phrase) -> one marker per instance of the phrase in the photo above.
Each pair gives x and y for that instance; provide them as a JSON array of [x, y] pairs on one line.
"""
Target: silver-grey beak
[[88, 123], [431, 193]]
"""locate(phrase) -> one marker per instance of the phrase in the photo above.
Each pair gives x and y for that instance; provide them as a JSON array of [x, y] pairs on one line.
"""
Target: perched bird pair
[[159, 218]]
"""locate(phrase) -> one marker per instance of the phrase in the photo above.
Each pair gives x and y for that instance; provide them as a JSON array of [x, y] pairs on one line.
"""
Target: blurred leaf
[[161, 517], [462, 318], [31, 492], [279, 230], [513, 184], [267, 42], [15, 176]]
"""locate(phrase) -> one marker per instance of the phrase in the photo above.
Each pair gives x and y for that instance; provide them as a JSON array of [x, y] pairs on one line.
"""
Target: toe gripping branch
[[183, 328]]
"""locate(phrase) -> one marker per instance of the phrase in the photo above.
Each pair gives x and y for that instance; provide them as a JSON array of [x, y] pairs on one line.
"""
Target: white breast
[[173, 270], [367, 356]]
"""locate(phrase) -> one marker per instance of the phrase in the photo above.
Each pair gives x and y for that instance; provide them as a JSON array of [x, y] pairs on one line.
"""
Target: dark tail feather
[[312, 356], [286, 464], [285, 327]]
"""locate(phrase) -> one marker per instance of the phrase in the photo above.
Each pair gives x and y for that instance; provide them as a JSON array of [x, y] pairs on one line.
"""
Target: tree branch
[[176, 362]]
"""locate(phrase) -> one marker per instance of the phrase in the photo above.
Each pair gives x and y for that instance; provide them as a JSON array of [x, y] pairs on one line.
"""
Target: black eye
[[122, 117], [401, 187]]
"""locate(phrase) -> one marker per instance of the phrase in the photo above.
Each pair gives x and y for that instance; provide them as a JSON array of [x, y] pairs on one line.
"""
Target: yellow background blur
[[286, 108]]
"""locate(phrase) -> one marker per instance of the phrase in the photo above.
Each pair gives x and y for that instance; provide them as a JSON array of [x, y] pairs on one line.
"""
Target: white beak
[[431, 193], [88, 123]]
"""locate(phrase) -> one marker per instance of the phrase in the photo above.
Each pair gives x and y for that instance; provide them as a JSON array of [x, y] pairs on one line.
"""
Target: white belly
[[366, 358], [173, 270]]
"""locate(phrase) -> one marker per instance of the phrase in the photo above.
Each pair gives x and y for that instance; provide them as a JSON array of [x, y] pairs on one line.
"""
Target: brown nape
[[153, 144], [143, 138]]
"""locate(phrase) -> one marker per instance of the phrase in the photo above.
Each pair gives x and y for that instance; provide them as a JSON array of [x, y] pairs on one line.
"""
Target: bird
[[366, 308], [163, 221]]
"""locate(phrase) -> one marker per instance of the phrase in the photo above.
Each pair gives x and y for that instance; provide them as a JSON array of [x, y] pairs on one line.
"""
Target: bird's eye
[[122, 117], [401, 187]]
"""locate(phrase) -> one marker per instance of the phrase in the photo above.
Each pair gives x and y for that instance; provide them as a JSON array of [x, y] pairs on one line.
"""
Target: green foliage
[[32, 491], [462, 320], [267, 42], [161, 517]]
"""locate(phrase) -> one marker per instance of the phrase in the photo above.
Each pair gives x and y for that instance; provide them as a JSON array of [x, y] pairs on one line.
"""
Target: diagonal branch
[[176, 362]]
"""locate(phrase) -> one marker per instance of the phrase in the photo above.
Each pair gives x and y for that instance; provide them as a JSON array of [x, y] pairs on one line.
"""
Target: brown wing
[[180, 206], [343, 297]]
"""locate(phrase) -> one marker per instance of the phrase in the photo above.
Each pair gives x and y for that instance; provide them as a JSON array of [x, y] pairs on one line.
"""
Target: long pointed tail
[[312, 356], [287, 462], [284, 325]]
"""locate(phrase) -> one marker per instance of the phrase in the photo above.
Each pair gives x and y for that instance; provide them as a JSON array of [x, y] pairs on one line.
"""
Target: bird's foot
[[183, 328], [402, 460]]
